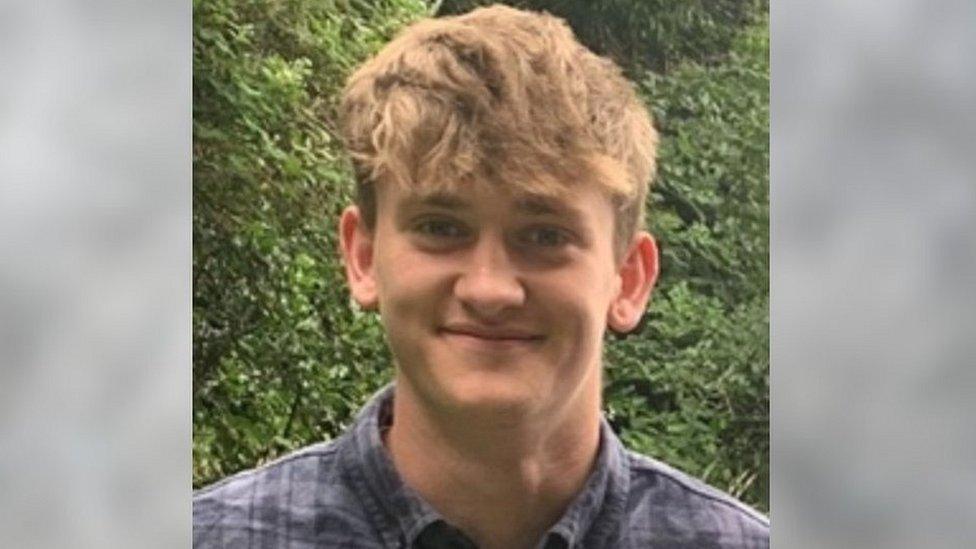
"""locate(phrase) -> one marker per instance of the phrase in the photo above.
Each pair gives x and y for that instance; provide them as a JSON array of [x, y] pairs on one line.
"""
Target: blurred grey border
[[873, 274], [873, 264], [95, 254]]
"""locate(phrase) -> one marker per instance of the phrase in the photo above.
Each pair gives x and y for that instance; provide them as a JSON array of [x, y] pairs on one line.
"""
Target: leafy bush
[[280, 358], [646, 34], [692, 387]]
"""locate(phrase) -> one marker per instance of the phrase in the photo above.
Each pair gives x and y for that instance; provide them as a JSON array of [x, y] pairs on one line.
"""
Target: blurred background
[[872, 274], [95, 213]]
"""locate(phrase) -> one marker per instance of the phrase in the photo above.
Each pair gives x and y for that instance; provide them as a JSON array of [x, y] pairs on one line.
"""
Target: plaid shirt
[[346, 493]]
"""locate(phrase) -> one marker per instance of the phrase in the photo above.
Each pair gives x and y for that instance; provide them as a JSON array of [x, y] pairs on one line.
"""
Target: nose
[[489, 284]]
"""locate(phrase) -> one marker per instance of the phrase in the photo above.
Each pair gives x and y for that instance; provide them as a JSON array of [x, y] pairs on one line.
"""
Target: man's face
[[493, 299]]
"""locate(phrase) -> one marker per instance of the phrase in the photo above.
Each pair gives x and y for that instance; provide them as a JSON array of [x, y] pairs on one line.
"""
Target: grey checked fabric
[[346, 493]]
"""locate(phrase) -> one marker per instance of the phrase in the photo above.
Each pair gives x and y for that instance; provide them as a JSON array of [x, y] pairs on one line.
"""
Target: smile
[[478, 336]]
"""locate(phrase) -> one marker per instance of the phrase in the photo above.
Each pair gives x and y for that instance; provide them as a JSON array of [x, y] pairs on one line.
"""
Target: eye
[[440, 228], [546, 237]]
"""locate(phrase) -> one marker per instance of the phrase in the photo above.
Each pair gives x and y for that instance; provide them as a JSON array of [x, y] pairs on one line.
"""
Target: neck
[[503, 481]]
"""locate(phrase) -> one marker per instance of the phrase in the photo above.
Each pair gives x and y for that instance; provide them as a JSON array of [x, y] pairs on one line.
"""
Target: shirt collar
[[400, 514], [594, 517]]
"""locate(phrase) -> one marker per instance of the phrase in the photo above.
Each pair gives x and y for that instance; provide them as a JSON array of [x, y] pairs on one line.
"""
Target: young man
[[502, 170]]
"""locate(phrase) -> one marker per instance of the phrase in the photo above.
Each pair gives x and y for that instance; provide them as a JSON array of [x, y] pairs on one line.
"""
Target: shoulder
[[666, 504], [297, 500]]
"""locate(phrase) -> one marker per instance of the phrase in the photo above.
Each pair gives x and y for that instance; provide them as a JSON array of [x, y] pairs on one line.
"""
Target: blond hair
[[502, 95]]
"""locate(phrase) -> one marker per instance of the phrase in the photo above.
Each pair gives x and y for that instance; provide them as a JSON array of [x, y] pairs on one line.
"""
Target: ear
[[356, 242], [638, 273]]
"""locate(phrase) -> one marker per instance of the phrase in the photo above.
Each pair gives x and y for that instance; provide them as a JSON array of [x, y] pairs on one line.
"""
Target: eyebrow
[[531, 204], [441, 200], [540, 205]]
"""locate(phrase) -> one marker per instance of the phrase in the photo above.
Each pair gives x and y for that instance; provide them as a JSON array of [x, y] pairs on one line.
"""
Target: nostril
[[489, 294]]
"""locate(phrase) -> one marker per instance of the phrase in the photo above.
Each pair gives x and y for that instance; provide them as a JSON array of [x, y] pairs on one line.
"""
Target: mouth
[[491, 336]]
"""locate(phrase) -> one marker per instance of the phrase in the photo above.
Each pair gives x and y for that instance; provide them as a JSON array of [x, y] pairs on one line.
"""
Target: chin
[[511, 385], [493, 393]]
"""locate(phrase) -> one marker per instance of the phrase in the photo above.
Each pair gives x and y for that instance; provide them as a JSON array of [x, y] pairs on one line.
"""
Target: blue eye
[[546, 237], [440, 228]]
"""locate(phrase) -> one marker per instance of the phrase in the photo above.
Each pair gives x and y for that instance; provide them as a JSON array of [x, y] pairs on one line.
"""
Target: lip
[[496, 335]]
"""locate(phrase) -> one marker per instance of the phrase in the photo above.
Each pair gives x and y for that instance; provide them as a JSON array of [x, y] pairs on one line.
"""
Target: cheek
[[408, 287], [391, 262], [578, 303]]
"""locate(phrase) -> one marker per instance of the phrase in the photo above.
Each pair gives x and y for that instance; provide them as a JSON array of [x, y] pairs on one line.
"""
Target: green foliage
[[692, 387], [645, 34], [280, 358]]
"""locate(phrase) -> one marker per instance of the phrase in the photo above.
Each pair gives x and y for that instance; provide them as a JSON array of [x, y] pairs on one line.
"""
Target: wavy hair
[[502, 95]]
